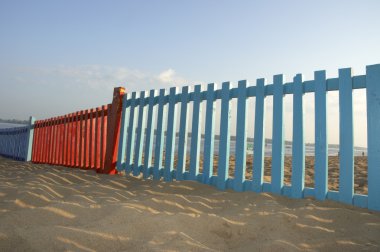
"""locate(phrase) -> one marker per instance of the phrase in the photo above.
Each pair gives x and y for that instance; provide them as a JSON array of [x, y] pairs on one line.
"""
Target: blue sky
[[62, 56]]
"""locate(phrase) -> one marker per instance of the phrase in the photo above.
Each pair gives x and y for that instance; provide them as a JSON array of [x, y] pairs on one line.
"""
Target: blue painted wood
[[267, 187], [149, 135], [259, 138], [208, 159], [373, 135], [241, 137], [278, 136], [131, 133], [247, 185], [170, 135], [159, 136], [14, 142], [360, 200], [29, 143], [333, 195], [308, 192], [140, 136], [123, 134], [346, 137], [224, 141], [195, 134], [182, 140], [321, 152], [287, 191], [298, 149]]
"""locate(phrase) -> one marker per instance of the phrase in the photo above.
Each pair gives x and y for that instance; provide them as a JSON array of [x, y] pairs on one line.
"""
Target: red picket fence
[[84, 139]]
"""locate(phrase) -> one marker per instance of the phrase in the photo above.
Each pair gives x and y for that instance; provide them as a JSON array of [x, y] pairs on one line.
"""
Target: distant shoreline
[[4, 125], [13, 121]]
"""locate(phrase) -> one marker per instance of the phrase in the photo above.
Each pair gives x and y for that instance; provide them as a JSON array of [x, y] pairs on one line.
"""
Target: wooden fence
[[157, 120], [84, 139], [16, 142], [147, 144]]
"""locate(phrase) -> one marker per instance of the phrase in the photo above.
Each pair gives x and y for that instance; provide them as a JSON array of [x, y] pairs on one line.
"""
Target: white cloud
[[96, 77], [170, 77]]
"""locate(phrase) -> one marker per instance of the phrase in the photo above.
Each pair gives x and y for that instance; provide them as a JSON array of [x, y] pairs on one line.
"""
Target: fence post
[[195, 133], [259, 139], [113, 130], [298, 150], [224, 142], [346, 138], [278, 135], [30, 138], [241, 137], [321, 145], [373, 136]]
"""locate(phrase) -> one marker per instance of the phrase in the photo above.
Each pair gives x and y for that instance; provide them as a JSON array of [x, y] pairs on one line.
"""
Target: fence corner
[[113, 131], [30, 138]]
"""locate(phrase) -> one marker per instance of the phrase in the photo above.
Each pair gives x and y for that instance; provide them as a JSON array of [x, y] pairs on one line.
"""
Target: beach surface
[[53, 208]]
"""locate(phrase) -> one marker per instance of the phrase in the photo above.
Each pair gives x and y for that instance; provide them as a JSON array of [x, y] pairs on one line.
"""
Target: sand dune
[[46, 208]]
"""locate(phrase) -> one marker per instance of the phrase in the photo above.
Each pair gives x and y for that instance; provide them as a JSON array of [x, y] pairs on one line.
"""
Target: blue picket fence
[[16, 143], [148, 119]]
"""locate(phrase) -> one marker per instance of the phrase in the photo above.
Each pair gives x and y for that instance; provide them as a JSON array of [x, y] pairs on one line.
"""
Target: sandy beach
[[360, 170], [52, 208]]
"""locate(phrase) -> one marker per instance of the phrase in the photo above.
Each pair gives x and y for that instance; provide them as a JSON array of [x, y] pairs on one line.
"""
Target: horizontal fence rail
[[16, 142], [158, 134], [151, 117]]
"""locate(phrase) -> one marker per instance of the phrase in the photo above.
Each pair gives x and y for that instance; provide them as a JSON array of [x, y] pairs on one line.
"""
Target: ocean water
[[333, 150], [10, 125]]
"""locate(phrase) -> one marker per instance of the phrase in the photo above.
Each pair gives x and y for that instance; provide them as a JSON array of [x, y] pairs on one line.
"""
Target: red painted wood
[[56, 141], [79, 135], [91, 140], [67, 131], [70, 141], [54, 146], [60, 141], [42, 142], [97, 139], [52, 141], [113, 131], [101, 151], [46, 141], [73, 127], [80, 148], [46, 147], [86, 140], [50, 144], [64, 143], [105, 137], [40, 136], [35, 141], [76, 154], [53, 138]]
